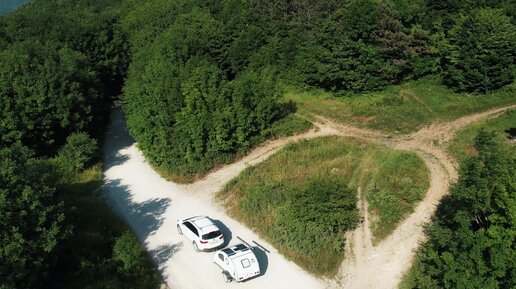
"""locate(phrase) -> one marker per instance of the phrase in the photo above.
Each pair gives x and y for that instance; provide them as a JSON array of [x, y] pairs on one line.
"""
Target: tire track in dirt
[[384, 265], [132, 183], [380, 266]]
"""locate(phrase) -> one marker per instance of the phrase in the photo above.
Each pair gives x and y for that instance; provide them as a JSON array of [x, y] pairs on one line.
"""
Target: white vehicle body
[[202, 232], [238, 263]]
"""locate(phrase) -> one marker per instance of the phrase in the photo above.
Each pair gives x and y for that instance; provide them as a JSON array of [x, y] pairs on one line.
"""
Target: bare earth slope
[[151, 206]]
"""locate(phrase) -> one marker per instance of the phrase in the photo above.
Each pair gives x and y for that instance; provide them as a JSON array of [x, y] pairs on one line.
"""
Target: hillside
[[352, 106]]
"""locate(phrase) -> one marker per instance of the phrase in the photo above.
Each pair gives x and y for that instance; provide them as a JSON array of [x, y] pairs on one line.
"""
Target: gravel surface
[[151, 206]]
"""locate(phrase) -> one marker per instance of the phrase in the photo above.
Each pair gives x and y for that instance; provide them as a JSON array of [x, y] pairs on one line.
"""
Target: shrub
[[128, 251], [314, 220], [76, 154]]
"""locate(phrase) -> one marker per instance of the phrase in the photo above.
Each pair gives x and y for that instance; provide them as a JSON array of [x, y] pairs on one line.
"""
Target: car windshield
[[211, 235]]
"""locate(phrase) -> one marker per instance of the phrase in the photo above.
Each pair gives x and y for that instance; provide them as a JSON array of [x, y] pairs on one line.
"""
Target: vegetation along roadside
[[323, 175], [471, 237]]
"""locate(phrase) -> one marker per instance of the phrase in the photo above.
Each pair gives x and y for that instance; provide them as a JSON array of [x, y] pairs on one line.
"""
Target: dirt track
[[151, 205], [383, 266]]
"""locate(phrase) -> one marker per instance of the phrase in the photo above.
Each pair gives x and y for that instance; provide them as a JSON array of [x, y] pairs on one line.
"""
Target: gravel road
[[151, 206]]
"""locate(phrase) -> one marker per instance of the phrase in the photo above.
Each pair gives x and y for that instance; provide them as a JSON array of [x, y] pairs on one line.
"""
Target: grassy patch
[[461, 146], [288, 126], [86, 259], [399, 109], [263, 195], [408, 279]]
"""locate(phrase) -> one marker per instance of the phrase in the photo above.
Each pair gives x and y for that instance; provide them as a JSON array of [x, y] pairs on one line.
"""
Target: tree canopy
[[31, 222], [200, 82], [472, 237], [482, 52]]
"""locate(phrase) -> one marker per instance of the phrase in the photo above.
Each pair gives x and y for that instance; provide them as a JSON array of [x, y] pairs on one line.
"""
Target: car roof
[[203, 223]]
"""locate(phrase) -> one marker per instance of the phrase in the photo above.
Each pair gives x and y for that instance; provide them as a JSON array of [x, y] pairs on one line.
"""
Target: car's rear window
[[211, 235]]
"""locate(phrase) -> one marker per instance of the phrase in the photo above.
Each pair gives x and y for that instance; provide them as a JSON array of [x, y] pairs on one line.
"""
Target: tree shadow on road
[[117, 138], [163, 253], [145, 218]]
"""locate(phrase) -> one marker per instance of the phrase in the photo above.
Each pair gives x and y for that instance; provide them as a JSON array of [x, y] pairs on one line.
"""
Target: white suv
[[202, 232]]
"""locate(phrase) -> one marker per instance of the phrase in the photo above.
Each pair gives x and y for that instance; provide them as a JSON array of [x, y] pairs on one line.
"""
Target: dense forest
[[472, 235], [200, 82]]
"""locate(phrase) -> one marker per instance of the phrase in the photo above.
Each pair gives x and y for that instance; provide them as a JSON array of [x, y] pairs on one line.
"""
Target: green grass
[[461, 146], [394, 181], [408, 279], [398, 109], [291, 125], [86, 258]]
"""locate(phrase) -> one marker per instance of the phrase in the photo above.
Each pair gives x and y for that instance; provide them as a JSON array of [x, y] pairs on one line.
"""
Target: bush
[[315, 219], [128, 251], [76, 154], [471, 240]]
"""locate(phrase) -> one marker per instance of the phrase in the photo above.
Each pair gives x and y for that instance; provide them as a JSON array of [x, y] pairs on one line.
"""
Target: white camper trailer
[[238, 263]]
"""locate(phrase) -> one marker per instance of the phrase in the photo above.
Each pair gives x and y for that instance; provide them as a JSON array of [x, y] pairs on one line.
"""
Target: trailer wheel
[[179, 230], [227, 278]]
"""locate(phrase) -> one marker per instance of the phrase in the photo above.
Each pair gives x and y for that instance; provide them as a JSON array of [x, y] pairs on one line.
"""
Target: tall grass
[[399, 109], [461, 146], [394, 181]]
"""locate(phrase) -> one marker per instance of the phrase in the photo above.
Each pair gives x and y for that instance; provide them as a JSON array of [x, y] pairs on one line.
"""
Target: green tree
[[128, 251], [472, 238], [336, 62], [482, 53], [46, 92], [191, 100], [31, 219], [75, 155]]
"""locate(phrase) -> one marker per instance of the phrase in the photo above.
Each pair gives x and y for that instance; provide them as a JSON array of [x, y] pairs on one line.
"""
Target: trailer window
[[221, 257], [245, 263]]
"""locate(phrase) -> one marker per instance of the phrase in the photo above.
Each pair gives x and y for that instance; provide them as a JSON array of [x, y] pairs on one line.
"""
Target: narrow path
[[151, 206], [206, 187], [383, 266]]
